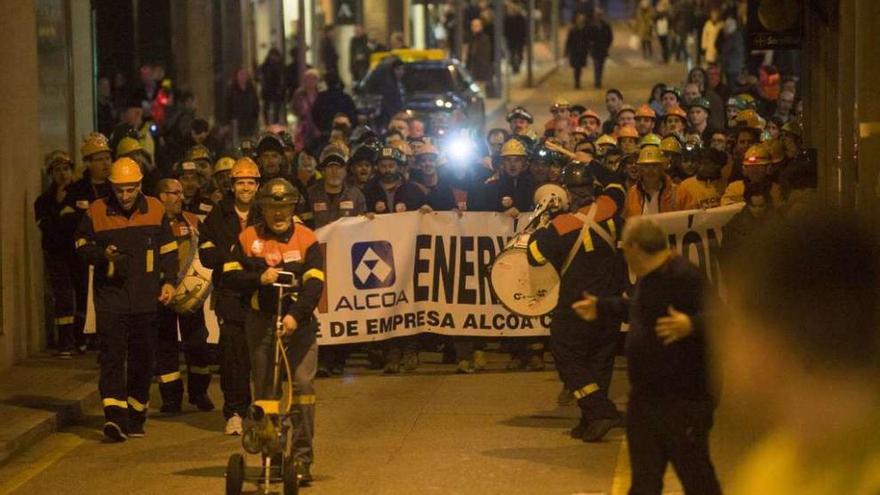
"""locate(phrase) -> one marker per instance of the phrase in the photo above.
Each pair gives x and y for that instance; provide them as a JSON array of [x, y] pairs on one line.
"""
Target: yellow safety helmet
[[128, 145], [776, 149], [651, 155], [794, 127], [757, 155], [427, 149], [749, 118], [560, 103], [245, 168], [606, 139], [513, 147], [125, 171], [198, 152], [670, 144], [223, 164], [650, 139], [94, 143]]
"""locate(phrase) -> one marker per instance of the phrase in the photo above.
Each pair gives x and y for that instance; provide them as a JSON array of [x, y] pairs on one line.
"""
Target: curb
[[52, 413]]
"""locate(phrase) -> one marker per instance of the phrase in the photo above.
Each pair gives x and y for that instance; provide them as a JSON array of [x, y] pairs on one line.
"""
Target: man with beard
[[193, 332], [646, 119], [703, 190], [390, 192], [330, 199], [581, 246], [362, 164], [193, 201], [520, 121], [270, 157]]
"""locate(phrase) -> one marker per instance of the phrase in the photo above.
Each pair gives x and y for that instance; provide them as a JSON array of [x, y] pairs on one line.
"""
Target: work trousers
[[523, 348], [69, 286], [302, 353], [235, 368], [584, 355], [194, 336], [598, 69], [670, 430], [128, 344]]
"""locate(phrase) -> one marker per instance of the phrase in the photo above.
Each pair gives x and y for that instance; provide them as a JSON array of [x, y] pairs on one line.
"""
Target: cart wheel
[[291, 484], [234, 474]]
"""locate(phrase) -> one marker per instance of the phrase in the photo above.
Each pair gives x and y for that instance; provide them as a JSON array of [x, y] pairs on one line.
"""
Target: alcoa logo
[[372, 265]]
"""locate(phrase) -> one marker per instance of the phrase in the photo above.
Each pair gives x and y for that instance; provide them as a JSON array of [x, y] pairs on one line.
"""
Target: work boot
[[565, 397], [376, 359], [410, 360], [337, 370], [515, 364], [448, 354], [480, 360], [304, 474], [536, 363], [464, 367], [64, 354], [578, 431], [170, 407], [202, 402], [598, 428], [233, 426], [136, 428], [113, 432], [392, 367], [323, 372]]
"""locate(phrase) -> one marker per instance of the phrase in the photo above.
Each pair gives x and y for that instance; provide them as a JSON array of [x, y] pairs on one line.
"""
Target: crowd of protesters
[[724, 134]]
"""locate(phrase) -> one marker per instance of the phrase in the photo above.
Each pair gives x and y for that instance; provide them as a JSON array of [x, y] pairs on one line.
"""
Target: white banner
[[407, 273]]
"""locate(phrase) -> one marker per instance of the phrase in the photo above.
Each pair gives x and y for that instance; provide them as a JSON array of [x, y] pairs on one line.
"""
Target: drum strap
[[589, 224]]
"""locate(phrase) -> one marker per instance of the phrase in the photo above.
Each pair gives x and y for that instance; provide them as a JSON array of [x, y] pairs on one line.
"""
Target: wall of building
[[192, 30], [20, 177]]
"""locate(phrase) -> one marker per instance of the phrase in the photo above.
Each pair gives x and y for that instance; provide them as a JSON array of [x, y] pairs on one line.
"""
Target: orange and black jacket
[[147, 248], [217, 236], [597, 267], [296, 251]]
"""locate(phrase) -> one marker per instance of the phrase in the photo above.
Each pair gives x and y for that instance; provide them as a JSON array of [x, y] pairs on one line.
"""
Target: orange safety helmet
[[125, 171], [588, 113], [627, 131], [646, 111], [245, 168], [676, 111]]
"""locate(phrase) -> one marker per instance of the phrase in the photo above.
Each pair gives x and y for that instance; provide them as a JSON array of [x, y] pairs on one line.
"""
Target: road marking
[[620, 482], [34, 461]]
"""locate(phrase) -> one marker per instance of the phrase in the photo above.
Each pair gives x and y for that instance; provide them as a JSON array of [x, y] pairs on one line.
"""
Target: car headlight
[[439, 102]]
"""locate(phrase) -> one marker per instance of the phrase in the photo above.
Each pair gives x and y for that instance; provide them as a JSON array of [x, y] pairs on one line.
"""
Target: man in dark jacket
[[56, 216], [576, 48], [330, 102], [272, 87], [242, 104], [670, 404], [515, 32], [219, 233], [479, 53], [599, 36], [359, 54], [329, 55]]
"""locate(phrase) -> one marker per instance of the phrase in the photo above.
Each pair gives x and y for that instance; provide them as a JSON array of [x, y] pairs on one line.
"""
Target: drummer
[[582, 246]]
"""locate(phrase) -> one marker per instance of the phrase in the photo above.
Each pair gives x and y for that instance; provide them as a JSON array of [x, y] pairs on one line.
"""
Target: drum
[[523, 289]]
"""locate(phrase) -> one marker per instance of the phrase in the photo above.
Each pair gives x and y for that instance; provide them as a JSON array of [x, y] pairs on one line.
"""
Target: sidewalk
[[543, 67], [42, 395]]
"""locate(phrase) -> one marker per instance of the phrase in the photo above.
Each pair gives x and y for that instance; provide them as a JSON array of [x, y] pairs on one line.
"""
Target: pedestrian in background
[[272, 87], [577, 46], [303, 99], [329, 55], [600, 37], [242, 104], [644, 27], [515, 32], [359, 54], [479, 54], [671, 407]]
